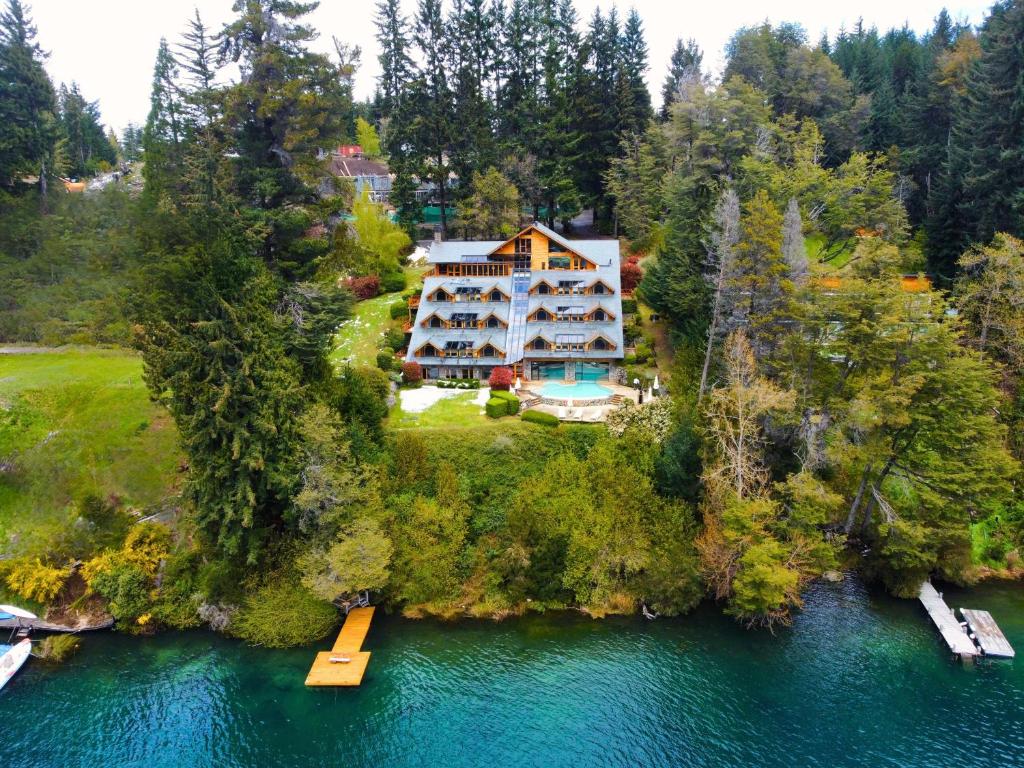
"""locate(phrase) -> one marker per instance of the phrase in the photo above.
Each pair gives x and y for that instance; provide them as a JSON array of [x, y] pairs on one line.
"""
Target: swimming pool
[[581, 390]]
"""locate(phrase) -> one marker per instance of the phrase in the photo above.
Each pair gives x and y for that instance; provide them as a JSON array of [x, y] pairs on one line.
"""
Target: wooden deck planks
[[943, 618], [354, 631], [987, 633], [324, 673], [349, 642]]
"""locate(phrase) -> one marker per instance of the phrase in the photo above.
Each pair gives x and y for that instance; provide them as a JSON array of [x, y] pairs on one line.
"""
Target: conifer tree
[[28, 125], [683, 68]]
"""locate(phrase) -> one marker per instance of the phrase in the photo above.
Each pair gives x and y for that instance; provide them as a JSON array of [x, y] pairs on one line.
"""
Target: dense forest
[[830, 235]]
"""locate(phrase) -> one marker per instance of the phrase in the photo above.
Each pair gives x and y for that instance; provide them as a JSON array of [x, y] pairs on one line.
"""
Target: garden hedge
[[539, 417], [496, 407]]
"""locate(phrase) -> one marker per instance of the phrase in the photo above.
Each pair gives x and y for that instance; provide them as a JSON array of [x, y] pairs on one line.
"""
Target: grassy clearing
[[79, 421], [457, 411], [358, 339]]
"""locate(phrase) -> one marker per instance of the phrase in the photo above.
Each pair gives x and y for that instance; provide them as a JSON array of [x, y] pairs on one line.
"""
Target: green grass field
[[358, 339], [79, 421], [452, 412]]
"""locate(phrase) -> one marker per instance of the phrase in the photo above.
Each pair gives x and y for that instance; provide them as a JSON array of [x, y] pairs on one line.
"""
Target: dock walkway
[[987, 633], [943, 618], [349, 644]]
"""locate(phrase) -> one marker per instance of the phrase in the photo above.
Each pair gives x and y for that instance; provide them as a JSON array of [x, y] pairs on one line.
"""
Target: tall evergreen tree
[[28, 125], [683, 68]]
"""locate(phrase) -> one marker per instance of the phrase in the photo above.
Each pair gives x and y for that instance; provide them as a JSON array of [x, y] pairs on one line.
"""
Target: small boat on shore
[[13, 658]]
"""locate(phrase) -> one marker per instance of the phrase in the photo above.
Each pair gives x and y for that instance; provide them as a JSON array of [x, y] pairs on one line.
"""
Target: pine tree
[[28, 125], [683, 68], [395, 64], [162, 134], [634, 66], [432, 130]]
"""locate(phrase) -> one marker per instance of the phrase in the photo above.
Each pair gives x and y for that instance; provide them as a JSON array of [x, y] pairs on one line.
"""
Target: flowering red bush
[[501, 378], [412, 372], [364, 287], [630, 275]]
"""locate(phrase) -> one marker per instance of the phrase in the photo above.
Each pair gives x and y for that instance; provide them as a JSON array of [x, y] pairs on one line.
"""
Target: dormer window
[[544, 289], [600, 315], [496, 295], [539, 344], [436, 322], [542, 315], [599, 289], [600, 343], [493, 322]]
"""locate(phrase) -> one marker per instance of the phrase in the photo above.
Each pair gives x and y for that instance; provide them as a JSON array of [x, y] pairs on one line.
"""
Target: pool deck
[[579, 411]]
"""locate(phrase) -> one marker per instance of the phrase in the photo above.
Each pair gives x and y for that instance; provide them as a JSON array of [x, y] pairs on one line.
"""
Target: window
[[600, 315], [600, 343], [488, 351], [599, 289], [539, 343], [543, 289], [559, 262], [493, 322], [458, 348], [524, 245], [440, 295], [569, 342], [496, 295], [436, 322], [569, 314], [570, 287], [428, 350], [542, 315]]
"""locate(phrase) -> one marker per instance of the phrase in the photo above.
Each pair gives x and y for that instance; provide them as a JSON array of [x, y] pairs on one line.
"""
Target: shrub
[[394, 339], [283, 613], [496, 407], [386, 360], [511, 401], [364, 287], [399, 309], [33, 580], [126, 587], [412, 372], [539, 417], [56, 648], [654, 417], [643, 353], [392, 282], [630, 275], [501, 378], [629, 306]]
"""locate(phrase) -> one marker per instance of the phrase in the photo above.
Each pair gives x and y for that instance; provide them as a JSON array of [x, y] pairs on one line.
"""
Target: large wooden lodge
[[546, 306]]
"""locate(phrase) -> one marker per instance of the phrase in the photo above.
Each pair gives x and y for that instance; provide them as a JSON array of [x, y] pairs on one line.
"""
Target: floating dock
[[349, 645], [987, 634], [943, 618]]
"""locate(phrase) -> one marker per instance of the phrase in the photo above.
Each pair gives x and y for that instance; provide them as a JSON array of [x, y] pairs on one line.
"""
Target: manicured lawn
[[79, 421], [457, 411]]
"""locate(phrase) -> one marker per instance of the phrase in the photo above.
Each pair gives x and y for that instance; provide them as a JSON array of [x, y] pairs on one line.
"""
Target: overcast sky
[[108, 46]]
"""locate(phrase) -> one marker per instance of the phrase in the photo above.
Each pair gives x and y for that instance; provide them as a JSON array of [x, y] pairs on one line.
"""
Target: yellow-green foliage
[[144, 547], [57, 648], [36, 581], [283, 613]]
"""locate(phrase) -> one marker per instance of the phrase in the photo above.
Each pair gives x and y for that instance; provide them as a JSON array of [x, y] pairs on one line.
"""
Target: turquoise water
[[859, 680], [581, 390]]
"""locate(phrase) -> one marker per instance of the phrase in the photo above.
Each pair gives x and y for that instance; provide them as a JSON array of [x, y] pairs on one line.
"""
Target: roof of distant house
[[350, 150], [357, 166]]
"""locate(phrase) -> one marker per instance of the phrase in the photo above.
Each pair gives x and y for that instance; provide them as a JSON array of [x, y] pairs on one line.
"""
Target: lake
[[859, 680]]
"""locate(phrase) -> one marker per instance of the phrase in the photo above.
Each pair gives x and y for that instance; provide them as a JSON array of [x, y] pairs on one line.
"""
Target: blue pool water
[[581, 390]]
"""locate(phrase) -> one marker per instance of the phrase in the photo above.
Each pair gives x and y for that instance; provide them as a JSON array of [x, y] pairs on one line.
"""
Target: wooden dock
[[349, 644], [987, 634], [943, 618]]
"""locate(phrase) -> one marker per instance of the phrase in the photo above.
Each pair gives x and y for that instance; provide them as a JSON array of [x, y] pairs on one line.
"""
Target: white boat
[[17, 612], [14, 659]]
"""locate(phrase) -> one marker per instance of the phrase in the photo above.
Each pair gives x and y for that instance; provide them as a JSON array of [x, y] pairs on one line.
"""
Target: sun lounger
[[337, 659]]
